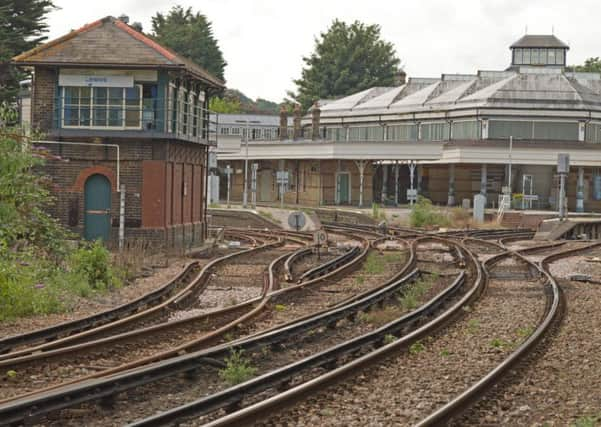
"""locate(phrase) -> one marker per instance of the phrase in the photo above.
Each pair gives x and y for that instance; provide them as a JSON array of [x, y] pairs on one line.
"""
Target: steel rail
[[551, 316], [266, 407], [99, 376], [328, 266], [75, 326], [295, 257], [192, 289]]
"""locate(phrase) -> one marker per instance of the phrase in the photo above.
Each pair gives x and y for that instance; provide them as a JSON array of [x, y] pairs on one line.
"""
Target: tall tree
[[191, 35], [592, 65], [22, 23], [346, 59]]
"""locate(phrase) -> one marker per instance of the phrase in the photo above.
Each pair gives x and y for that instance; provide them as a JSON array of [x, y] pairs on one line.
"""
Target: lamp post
[[245, 192]]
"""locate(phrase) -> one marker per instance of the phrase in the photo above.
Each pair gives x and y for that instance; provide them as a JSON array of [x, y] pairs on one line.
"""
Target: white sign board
[[282, 177], [95, 81], [320, 237], [563, 163], [228, 170], [412, 194]]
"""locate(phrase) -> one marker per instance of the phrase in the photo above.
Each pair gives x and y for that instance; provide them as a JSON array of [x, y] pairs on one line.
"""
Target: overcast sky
[[264, 41]]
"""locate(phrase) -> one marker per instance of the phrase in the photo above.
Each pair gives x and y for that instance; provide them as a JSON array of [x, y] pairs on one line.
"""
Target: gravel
[[560, 383], [406, 388]]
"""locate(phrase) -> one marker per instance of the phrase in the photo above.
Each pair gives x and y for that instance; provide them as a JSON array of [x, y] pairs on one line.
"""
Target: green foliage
[[93, 264], [191, 35], [591, 65], [412, 296], [423, 214], [473, 325], [525, 332], [389, 339], [280, 307], [360, 280], [374, 264], [11, 374], [587, 421], [346, 59], [499, 343], [376, 212], [224, 105], [40, 272], [445, 353], [416, 347], [22, 23], [238, 369]]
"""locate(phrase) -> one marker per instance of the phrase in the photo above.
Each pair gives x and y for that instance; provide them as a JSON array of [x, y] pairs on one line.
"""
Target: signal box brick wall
[[43, 95], [164, 181]]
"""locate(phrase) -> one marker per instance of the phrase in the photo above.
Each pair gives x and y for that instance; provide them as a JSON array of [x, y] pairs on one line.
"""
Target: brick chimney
[[315, 113], [298, 133], [283, 123], [400, 78]]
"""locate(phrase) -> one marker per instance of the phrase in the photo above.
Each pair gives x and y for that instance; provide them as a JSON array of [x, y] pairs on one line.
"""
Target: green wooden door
[[97, 207], [343, 188]]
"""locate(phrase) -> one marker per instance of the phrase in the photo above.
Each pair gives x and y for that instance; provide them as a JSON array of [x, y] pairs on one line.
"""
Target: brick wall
[[43, 93]]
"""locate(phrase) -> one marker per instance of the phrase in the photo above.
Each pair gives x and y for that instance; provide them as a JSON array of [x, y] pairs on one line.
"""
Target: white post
[[384, 182], [361, 166], [253, 185], [510, 160], [228, 172], [412, 166], [580, 190], [245, 194], [483, 179], [396, 183], [451, 195], [121, 216], [562, 196]]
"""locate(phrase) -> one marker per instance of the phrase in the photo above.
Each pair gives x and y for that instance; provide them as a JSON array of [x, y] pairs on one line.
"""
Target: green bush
[[423, 214], [40, 272], [238, 369], [93, 263]]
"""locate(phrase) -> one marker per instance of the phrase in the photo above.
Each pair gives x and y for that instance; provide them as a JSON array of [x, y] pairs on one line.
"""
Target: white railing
[[504, 201]]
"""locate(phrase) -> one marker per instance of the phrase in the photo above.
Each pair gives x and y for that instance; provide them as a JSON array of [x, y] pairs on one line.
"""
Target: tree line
[[346, 58]]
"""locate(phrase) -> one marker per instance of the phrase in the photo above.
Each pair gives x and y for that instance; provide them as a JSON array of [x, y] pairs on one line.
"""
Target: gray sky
[[264, 41]]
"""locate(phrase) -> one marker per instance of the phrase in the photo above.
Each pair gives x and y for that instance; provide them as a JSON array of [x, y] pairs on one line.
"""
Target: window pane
[[556, 131], [551, 56], [534, 59], [100, 94], [559, 56], [84, 95], [71, 95], [505, 129], [115, 116], [84, 116], [71, 117], [116, 96], [526, 56], [518, 56]]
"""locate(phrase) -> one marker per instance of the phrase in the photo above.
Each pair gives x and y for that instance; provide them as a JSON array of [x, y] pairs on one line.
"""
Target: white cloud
[[264, 40]]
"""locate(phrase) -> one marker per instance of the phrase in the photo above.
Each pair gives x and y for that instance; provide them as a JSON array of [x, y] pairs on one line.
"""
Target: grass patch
[[424, 214], [587, 421], [238, 369], [445, 353], [377, 212], [416, 348], [525, 332], [375, 264], [389, 339], [499, 343], [380, 317], [413, 295], [280, 307], [268, 215], [360, 280], [473, 325]]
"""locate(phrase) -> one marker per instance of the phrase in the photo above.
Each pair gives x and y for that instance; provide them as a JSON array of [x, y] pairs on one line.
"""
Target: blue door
[[97, 207]]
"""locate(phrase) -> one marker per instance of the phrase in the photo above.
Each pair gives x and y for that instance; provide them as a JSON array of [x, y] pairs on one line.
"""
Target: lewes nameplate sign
[[95, 81]]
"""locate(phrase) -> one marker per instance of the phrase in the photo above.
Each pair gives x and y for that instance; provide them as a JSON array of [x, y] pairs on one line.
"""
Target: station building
[[128, 119], [453, 131]]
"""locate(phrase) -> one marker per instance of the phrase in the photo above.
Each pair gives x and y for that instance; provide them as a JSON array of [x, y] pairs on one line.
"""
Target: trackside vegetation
[[43, 267]]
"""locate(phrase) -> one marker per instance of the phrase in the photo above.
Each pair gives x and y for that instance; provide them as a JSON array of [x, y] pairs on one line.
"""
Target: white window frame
[[91, 107]]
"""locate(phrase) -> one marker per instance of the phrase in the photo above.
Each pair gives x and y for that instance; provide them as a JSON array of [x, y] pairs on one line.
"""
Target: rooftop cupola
[[538, 50]]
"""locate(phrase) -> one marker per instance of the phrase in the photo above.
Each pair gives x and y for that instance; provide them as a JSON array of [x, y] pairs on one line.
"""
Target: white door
[[265, 185]]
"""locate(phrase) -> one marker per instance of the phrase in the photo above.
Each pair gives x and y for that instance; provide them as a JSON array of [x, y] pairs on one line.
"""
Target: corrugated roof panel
[[417, 98], [383, 100]]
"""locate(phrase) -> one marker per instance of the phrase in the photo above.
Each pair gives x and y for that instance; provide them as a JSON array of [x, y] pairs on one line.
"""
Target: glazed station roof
[[527, 87]]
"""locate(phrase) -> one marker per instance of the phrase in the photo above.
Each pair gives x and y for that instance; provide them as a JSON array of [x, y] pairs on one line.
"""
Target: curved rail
[[283, 375], [192, 289], [552, 315]]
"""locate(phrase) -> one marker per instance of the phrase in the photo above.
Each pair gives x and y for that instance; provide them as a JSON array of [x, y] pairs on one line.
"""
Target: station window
[[434, 131], [402, 132], [112, 107]]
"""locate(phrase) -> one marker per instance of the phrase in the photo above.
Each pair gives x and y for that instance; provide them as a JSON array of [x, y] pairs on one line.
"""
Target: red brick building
[[129, 118]]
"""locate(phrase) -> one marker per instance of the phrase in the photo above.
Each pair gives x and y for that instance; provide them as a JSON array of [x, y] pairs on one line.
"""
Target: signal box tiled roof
[[110, 43]]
